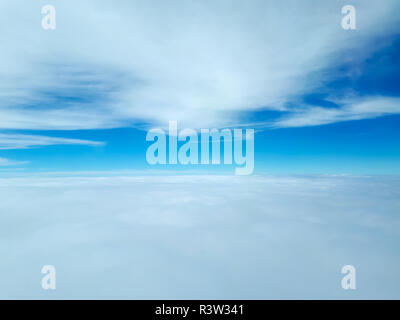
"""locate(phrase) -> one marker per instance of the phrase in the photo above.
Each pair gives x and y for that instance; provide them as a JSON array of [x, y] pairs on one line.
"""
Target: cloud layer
[[196, 237], [203, 64]]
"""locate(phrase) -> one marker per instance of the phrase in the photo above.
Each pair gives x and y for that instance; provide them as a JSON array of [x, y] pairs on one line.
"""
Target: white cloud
[[7, 162], [360, 108], [23, 141], [196, 237], [199, 63]]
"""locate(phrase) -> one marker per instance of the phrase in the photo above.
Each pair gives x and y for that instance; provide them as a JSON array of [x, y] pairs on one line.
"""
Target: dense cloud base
[[189, 237]]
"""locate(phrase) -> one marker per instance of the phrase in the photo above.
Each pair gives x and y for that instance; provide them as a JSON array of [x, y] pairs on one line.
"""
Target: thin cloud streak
[[23, 141], [7, 162], [364, 108]]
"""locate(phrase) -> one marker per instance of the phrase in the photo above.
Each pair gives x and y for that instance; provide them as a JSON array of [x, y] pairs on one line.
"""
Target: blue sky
[[322, 99], [76, 191], [357, 147]]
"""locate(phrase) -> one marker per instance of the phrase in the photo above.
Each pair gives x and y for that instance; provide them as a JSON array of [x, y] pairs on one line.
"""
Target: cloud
[[6, 162], [360, 108], [196, 237], [203, 64], [23, 141]]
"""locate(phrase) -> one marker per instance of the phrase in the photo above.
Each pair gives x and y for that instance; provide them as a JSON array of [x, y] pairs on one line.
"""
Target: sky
[[76, 191], [82, 97]]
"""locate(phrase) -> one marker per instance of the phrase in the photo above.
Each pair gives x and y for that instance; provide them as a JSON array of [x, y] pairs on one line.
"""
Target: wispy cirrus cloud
[[203, 64], [354, 109], [8, 163], [23, 141]]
